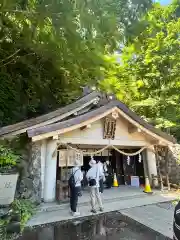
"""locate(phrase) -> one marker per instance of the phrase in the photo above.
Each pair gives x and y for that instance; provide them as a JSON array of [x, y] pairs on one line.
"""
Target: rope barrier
[[130, 154], [102, 149]]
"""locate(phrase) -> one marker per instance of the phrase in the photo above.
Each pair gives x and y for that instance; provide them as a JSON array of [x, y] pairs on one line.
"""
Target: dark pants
[[109, 181], [74, 198], [101, 186]]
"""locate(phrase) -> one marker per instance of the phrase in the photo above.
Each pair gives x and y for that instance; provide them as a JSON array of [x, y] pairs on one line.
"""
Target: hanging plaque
[[109, 128], [73, 155], [79, 157], [68, 157], [63, 158]]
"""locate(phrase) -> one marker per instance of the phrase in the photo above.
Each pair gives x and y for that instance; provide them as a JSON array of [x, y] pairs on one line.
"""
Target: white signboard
[[72, 156], [134, 181], [7, 188], [68, 157]]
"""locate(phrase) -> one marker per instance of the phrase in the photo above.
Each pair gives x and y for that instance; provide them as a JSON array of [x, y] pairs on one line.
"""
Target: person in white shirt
[[75, 187], [93, 176], [102, 178]]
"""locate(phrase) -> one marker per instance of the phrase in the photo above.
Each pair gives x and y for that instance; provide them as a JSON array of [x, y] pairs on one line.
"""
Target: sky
[[164, 2]]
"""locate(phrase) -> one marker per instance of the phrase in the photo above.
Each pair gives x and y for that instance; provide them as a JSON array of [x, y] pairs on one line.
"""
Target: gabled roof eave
[[94, 116], [49, 118]]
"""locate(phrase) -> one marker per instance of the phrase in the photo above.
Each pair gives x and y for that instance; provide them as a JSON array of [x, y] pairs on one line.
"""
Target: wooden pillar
[[144, 157], [151, 163], [50, 171]]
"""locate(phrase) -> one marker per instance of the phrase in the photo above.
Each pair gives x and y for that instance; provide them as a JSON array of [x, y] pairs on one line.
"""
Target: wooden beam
[[55, 137], [133, 129], [85, 127]]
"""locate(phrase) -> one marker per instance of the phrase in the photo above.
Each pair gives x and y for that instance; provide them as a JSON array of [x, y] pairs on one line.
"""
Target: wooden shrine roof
[[48, 118], [64, 119], [98, 113]]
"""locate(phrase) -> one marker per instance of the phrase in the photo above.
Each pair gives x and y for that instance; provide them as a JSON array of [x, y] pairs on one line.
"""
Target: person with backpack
[[93, 176], [75, 187]]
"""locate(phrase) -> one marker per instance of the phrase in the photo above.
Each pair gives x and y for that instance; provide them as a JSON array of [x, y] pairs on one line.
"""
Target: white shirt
[[95, 172], [100, 166], [78, 176], [105, 167], [101, 169]]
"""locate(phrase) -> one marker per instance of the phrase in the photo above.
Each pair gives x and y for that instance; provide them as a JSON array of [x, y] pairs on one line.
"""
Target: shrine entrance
[[127, 167], [123, 166]]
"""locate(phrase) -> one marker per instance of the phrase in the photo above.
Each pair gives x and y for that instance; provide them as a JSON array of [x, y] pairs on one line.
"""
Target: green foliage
[[25, 209], [151, 60], [8, 160], [3, 233], [48, 50], [116, 80], [22, 208]]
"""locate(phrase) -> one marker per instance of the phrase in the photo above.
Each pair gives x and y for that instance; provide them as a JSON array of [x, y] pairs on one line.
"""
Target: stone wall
[[174, 164], [30, 180], [169, 161]]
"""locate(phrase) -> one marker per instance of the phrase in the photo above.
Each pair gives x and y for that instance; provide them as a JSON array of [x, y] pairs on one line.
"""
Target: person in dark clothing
[[101, 185], [109, 181], [176, 222], [75, 190]]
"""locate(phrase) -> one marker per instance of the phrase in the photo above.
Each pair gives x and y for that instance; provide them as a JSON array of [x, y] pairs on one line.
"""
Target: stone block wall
[[174, 168], [171, 158], [30, 179]]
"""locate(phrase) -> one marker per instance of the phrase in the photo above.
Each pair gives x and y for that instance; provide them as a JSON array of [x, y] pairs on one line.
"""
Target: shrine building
[[96, 125]]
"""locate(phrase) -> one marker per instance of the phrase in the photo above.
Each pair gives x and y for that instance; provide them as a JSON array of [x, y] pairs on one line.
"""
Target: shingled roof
[[49, 118], [57, 120], [98, 112]]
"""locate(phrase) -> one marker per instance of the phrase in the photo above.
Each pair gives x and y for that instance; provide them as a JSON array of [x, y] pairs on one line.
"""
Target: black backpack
[[71, 181]]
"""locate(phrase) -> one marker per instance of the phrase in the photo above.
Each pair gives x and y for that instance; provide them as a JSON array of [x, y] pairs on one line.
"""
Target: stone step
[[58, 215], [47, 207]]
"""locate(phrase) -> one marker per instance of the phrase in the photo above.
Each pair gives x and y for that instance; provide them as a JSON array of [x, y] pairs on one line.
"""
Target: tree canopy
[[151, 60], [51, 48]]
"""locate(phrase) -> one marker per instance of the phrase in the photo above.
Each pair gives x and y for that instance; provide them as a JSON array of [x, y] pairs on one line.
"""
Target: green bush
[[8, 160], [22, 208]]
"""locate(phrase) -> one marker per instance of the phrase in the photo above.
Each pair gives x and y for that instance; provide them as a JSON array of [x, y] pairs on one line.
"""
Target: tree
[[50, 49], [152, 62]]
